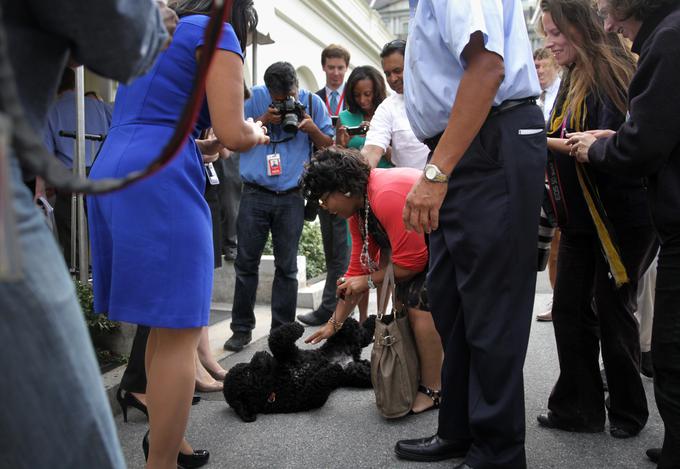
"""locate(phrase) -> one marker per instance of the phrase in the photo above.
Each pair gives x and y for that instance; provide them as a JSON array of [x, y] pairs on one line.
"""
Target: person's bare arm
[[224, 89], [558, 145], [372, 153], [478, 87]]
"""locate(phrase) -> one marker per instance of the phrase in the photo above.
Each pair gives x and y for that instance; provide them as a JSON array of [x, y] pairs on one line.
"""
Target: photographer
[[271, 200]]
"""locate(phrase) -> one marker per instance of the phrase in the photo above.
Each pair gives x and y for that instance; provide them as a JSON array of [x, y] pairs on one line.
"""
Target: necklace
[[365, 257]]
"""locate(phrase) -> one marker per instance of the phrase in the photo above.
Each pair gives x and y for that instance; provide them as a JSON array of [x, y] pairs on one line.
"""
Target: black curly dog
[[294, 380]]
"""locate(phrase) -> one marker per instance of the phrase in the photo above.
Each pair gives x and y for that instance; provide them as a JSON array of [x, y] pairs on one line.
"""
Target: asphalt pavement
[[348, 432]]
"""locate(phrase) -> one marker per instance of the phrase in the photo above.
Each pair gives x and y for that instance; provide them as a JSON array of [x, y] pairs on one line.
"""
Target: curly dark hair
[[363, 73], [335, 169]]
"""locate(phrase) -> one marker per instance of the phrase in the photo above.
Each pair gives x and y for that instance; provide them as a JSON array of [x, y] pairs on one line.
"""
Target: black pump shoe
[[126, 399], [198, 458]]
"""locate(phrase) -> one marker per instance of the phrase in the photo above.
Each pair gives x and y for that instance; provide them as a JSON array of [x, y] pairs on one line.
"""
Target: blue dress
[[152, 253]]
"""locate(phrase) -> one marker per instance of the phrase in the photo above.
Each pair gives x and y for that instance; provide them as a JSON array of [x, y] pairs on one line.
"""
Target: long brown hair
[[603, 63]]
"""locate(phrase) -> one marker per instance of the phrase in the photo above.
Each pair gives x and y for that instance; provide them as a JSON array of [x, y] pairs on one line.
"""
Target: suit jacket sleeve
[[644, 143]]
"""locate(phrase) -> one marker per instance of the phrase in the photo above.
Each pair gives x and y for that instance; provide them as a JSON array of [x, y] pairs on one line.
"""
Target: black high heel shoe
[[126, 399], [198, 458]]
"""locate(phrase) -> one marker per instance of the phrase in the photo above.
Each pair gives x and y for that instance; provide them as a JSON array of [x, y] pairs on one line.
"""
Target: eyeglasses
[[323, 199]]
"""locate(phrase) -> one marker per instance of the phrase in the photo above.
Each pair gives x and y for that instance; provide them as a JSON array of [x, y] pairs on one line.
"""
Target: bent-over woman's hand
[[324, 332], [351, 288]]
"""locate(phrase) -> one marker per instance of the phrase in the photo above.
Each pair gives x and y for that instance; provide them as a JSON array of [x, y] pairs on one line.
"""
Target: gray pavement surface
[[348, 432]]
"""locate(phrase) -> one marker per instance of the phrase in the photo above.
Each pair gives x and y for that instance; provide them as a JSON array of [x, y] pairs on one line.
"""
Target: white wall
[[302, 28]]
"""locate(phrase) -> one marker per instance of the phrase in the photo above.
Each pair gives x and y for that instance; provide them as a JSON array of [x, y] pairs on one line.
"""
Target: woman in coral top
[[373, 200]]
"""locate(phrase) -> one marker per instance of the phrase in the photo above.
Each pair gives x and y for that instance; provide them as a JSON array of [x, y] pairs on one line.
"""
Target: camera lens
[[290, 123]]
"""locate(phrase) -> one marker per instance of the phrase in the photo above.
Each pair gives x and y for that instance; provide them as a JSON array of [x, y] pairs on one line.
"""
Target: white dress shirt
[[434, 65], [550, 96], [340, 90], [390, 124]]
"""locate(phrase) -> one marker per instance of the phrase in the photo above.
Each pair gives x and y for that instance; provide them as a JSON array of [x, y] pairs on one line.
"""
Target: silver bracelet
[[371, 285]]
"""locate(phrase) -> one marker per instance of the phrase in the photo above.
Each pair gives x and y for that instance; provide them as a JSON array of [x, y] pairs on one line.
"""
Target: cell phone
[[358, 130], [334, 120]]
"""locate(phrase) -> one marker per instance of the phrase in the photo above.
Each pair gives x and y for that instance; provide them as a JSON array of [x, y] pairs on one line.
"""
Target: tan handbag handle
[[388, 283]]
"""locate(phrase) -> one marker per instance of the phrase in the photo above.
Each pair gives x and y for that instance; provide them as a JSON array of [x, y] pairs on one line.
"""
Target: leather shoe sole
[[431, 449], [550, 421]]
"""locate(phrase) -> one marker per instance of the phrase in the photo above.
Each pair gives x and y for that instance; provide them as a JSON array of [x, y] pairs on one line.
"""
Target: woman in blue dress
[[152, 242]]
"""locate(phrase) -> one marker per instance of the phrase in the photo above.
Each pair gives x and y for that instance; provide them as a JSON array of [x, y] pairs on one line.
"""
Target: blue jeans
[[261, 212], [53, 410]]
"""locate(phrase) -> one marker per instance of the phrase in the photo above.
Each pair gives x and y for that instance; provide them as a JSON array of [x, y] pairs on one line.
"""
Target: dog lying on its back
[[294, 380]]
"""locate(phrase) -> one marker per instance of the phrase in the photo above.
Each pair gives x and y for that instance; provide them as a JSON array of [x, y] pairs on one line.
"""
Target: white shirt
[[434, 64], [390, 124], [550, 96], [340, 90]]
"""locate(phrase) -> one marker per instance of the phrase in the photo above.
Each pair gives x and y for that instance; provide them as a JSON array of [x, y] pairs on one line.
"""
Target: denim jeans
[[336, 252], [261, 212], [53, 410]]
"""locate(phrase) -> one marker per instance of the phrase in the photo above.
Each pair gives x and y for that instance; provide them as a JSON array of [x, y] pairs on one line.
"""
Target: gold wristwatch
[[434, 174]]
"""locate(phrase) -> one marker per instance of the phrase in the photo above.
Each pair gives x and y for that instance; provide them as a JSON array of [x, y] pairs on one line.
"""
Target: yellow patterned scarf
[[603, 226]]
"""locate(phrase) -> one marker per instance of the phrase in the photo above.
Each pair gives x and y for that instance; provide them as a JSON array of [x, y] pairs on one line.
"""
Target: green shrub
[[311, 246], [98, 324]]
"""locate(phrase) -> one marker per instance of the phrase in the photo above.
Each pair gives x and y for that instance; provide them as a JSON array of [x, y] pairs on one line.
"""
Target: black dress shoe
[[550, 420], [432, 448], [646, 368], [237, 341], [620, 432], [315, 318], [654, 454]]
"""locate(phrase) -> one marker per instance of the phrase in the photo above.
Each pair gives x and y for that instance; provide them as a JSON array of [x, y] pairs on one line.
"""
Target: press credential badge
[[274, 164]]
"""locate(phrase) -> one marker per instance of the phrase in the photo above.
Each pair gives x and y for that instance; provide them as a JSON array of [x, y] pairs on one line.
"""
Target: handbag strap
[[388, 283]]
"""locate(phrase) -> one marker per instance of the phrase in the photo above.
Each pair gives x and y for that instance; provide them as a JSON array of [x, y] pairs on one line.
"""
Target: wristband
[[371, 285]]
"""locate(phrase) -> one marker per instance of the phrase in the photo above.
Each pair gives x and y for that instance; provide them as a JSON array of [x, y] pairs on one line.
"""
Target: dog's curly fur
[[294, 380]]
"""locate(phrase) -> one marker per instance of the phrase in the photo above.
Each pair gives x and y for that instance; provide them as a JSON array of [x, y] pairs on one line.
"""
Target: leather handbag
[[394, 358]]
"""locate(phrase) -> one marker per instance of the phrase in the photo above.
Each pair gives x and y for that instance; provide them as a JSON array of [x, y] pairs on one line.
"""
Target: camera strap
[[311, 114]]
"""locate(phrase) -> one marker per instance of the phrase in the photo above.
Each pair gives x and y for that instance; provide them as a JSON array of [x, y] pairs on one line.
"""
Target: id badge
[[274, 164], [212, 175]]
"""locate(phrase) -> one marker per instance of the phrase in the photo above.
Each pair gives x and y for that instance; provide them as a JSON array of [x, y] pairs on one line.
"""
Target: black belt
[[496, 110], [510, 104], [269, 191]]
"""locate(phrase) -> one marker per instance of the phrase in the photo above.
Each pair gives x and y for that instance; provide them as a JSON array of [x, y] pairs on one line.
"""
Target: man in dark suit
[[334, 60]]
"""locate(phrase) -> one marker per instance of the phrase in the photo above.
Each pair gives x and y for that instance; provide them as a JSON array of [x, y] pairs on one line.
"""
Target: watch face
[[430, 172]]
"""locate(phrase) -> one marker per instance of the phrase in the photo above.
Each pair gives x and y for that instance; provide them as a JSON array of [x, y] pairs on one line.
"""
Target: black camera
[[358, 130], [292, 112]]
